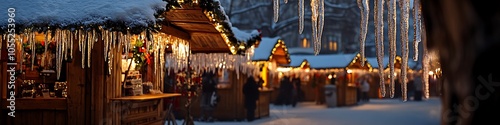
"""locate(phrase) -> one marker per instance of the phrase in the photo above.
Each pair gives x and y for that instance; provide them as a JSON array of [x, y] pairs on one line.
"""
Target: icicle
[[365, 13], [46, 47], [317, 19], [391, 12], [89, 47], [425, 63], [79, 37], [276, 7], [405, 8], [83, 38], [31, 38], [58, 52], [105, 43], [71, 44], [301, 16], [379, 41], [65, 44], [417, 24]]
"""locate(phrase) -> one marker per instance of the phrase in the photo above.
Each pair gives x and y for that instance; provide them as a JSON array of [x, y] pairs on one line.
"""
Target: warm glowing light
[[349, 71], [431, 73], [281, 69], [307, 70], [330, 76]]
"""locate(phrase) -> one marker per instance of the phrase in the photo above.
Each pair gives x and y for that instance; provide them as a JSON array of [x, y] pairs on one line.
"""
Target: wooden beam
[[174, 31], [97, 74], [76, 89]]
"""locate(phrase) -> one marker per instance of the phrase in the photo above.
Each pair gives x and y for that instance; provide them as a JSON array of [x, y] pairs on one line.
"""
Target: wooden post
[[112, 113], [76, 89], [97, 75]]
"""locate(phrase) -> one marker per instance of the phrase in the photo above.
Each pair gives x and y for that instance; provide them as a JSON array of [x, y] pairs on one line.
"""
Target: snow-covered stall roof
[[244, 36], [415, 65], [323, 61], [300, 51], [297, 60], [266, 45], [330, 61], [374, 62], [76, 13]]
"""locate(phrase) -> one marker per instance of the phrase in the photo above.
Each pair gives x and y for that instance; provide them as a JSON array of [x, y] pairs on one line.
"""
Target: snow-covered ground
[[376, 112]]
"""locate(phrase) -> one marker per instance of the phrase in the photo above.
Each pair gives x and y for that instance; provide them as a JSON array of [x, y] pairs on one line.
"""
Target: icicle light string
[[365, 13], [417, 28], [379, 43], [301, 16], [276, 9], [391, 6], [405, 11], [317, 7]]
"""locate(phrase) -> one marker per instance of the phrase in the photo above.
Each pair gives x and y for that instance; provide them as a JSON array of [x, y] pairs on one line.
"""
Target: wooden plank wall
[[76, 89], [113, 110], [96, 89]]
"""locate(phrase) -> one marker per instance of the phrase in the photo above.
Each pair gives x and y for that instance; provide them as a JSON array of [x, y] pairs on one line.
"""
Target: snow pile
[[244, 36], [62, 13]]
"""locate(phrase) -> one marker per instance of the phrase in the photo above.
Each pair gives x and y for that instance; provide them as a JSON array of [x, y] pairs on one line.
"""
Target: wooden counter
[[263, 104], [146, 97], [143, 109], [41, 111]]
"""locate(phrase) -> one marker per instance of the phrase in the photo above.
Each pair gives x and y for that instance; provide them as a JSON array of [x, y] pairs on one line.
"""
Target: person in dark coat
[[209, 88], [251, 94], [285, 95], [297, 90]]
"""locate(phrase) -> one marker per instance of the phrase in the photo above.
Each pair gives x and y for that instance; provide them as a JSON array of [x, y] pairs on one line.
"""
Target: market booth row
[[317, 71], [102, 64], [414, 67]]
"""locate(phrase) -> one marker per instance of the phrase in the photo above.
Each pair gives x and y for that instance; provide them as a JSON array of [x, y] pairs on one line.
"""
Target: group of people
[[290, 91], [414, 87], [209, 96], [363, 89]]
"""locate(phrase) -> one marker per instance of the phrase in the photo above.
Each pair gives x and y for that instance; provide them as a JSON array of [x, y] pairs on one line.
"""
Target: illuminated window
[[332, 46], [305, 43]]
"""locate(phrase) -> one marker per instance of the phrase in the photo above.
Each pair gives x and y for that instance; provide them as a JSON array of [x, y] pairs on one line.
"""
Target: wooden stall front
[[231, 105], [209, 31], [270, 53], [344, 68]]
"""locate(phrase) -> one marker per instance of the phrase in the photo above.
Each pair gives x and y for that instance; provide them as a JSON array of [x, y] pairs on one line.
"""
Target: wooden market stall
[[84, 63], [211, 32], [375, 90], [270, 53], [344, 68]]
